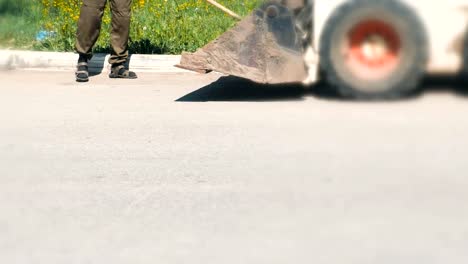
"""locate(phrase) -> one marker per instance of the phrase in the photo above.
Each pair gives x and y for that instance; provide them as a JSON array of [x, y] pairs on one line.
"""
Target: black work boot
[[82, 73]]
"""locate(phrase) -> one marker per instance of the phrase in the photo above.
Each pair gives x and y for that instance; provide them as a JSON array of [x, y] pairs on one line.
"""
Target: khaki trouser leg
[[121, 15], [89, 26]]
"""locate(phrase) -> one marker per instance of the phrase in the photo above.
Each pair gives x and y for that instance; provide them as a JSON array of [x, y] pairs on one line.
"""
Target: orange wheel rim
[[374, 49]]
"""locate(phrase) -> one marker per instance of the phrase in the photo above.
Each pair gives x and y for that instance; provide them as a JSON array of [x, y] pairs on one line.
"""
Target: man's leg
[[121, 15], [89, 28]]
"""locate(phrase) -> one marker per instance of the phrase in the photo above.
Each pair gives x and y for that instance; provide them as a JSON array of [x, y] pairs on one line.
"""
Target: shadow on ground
[[456, 85], [98, 61], [237, 89]]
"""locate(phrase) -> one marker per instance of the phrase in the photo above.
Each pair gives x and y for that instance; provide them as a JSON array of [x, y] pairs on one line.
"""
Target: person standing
[[89, 28]]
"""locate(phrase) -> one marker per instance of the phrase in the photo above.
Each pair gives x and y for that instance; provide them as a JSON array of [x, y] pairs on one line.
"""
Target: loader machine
[[364, 49]]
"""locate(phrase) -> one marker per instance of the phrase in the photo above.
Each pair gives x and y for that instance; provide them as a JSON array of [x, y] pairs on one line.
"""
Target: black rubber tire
[[412, 64], [464, 71]]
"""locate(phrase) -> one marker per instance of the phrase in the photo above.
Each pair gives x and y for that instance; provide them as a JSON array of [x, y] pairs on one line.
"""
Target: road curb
[[66, 61]]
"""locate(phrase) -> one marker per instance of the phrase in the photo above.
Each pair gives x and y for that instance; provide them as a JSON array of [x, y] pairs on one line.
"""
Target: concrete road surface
[[176, 169]]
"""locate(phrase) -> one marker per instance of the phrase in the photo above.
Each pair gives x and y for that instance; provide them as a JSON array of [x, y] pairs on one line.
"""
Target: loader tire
[[374, 49], [464, 71]]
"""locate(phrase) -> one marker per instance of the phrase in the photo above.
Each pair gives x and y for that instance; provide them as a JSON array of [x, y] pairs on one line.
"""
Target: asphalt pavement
[[185, 168]]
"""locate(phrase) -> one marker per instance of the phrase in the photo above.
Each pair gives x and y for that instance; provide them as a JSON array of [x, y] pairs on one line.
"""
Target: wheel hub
[[374, 48]]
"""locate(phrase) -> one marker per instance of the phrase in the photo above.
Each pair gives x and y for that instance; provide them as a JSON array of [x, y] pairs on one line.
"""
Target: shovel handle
[[224, 9]]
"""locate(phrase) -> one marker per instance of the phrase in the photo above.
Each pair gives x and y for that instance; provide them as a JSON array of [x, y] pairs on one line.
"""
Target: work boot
[[82, 72], [120, 71]]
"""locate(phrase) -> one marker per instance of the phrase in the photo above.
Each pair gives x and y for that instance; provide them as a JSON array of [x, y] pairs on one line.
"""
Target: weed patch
[[158, 26]]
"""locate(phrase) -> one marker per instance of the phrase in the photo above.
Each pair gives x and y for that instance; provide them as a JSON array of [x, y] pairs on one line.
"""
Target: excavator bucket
[[264, 47]]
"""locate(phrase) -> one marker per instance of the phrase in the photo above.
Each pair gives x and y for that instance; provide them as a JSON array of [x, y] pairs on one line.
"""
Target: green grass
[[182, 25], [158, 26], [20, 21]]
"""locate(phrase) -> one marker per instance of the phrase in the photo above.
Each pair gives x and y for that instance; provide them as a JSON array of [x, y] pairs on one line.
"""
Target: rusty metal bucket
[[264, 47]]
